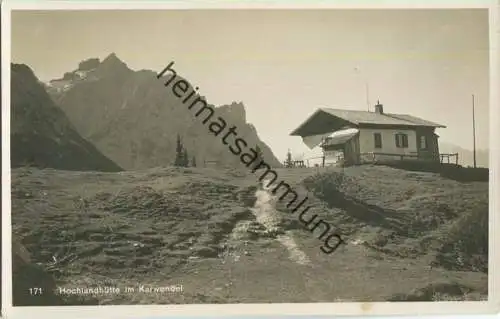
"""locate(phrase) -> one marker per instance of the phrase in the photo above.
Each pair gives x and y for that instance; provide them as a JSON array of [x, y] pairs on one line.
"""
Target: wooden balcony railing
[[381, 157]]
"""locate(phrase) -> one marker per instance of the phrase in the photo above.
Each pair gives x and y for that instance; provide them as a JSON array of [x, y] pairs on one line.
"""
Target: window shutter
[[405, 140], [397, 140]]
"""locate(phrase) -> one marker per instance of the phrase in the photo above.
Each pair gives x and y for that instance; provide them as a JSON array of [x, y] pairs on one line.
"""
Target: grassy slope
[[181, 226]]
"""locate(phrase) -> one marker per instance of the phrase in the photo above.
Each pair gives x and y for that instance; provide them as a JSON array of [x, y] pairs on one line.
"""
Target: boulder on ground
[[31, 284]]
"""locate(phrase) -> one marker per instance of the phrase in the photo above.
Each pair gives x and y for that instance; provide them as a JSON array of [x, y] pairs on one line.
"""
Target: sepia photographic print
[[234, 159]]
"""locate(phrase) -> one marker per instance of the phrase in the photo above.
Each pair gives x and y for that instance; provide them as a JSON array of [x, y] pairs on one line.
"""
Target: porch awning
[[330, 139]]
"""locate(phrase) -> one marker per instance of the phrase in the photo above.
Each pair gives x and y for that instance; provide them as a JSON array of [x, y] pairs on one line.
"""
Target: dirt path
[[291, 268], [269, 217]]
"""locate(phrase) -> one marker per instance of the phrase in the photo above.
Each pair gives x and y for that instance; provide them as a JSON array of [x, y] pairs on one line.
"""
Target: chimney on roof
[[379, 108]]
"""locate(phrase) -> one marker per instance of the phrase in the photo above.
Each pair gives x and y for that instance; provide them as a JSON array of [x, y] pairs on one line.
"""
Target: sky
[[284, 64]]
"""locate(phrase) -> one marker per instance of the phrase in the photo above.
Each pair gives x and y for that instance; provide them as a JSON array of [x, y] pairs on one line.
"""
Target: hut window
[[423, 142], [401, 140], [378, 140]]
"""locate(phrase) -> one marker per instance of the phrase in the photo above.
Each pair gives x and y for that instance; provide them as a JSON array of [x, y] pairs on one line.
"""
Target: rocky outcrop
[[41, 134], [134, 119], [31, 284]]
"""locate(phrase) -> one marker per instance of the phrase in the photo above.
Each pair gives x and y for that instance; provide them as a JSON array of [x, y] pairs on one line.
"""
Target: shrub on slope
[[430, 213], [466, 245]]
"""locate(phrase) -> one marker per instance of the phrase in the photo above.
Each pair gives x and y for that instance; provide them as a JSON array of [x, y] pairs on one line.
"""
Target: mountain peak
[[112, 57], [235, 109], [113, 63], [41, 133], [88, 64], [23, 69]]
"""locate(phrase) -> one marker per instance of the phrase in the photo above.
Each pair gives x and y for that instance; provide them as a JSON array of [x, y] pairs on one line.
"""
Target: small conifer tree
[[185, 158], [178, 152], [288, 162]]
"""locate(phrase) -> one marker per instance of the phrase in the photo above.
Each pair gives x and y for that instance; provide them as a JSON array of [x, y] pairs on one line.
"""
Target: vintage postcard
[[236, 159]]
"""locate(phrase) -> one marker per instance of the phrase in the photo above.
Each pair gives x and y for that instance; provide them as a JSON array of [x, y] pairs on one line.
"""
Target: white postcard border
[[339, 308]]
